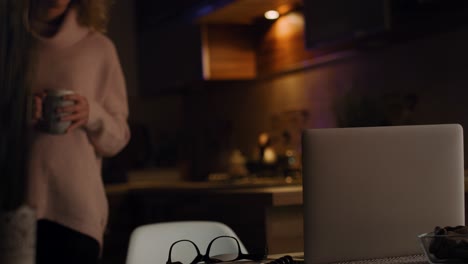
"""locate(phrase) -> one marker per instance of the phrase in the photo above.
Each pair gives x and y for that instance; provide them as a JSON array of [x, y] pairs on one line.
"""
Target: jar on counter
[[237, 163]]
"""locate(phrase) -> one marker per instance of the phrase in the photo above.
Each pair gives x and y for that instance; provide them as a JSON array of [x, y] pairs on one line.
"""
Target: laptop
[[369, 191]]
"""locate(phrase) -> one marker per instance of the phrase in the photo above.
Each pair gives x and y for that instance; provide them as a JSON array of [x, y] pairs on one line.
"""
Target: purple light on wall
[[206, 7]]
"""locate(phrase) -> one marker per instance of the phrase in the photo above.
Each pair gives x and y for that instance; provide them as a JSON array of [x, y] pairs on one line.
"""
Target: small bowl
[[429, 240]]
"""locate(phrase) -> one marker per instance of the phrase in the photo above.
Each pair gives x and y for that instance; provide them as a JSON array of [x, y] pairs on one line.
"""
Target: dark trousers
[[59, 244]]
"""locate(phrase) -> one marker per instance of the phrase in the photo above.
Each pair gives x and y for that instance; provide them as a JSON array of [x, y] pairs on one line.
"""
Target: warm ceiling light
[[271, 14]]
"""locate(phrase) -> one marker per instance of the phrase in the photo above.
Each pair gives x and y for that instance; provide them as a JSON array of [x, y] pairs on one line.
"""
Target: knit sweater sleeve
[[107, 126]]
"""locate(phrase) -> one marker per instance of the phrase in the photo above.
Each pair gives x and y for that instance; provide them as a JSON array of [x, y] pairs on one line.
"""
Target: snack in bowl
[[446, 245]]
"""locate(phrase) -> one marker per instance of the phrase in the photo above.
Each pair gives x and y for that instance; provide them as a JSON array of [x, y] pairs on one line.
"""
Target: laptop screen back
[[368, 192]]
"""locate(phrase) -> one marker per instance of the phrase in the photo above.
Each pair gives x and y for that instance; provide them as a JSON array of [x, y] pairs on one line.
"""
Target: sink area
[[261, 182], [171, 176]]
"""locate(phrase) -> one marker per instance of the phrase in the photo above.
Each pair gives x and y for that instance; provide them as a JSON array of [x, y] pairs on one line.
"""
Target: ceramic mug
[[51, 119]]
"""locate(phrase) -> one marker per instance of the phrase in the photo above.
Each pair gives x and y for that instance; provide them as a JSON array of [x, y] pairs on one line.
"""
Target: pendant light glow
[[271, 14]]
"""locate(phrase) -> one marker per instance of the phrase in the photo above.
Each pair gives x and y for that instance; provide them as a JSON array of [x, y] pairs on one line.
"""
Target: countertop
[[276, 191], [239, 185]]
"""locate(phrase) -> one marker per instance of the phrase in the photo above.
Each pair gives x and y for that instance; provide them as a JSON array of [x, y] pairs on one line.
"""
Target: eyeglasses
[[220, 249]]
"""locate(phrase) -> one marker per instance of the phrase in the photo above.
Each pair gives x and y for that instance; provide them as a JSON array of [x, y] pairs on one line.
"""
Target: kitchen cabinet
[[261, 213], [228, 52], [182, 53], [169, 56]]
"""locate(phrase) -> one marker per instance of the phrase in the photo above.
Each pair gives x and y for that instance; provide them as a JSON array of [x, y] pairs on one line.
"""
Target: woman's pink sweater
[[65, 183]]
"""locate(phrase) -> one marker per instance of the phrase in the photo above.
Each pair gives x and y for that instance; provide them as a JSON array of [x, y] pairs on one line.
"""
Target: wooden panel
[[282, 46], [285, 229], [228, 52]]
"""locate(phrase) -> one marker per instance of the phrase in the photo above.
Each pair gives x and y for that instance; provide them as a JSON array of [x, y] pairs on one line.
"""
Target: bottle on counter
[[291, 164], [237, 165]]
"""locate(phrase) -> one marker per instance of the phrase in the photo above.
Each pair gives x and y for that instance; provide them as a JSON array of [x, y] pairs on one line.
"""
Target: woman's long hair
[[16, 55], [93, 14]]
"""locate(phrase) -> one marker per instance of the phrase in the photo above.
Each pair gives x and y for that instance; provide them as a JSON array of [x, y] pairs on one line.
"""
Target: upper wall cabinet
[[386, 21], [188, 42], [176, 51], [180, 55], [169, 57], [228, 52]]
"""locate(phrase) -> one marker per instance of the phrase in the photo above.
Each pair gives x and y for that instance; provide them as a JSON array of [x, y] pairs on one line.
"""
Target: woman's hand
[[78, 113], [37, 107]]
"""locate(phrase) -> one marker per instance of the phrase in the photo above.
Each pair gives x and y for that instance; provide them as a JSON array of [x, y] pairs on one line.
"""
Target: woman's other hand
[[78, 113], [38, 98]]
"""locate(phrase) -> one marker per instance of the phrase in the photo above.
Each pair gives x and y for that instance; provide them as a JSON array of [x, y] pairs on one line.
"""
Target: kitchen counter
[[277, 190], [257, 209], [228, 184]]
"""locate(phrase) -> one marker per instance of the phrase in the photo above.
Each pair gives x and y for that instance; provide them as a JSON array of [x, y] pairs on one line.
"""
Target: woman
[[65, 185]]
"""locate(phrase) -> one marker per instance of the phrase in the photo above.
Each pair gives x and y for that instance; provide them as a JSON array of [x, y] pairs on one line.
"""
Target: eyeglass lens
[[183, 252], [224, 249]]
